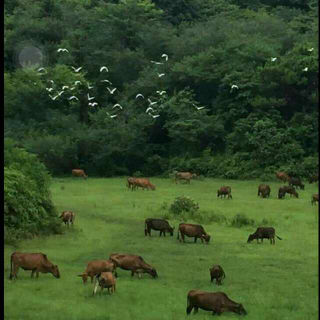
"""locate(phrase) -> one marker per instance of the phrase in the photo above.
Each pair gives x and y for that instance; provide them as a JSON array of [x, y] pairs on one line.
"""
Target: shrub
[[240, 220], [184, 204], [137, 174]]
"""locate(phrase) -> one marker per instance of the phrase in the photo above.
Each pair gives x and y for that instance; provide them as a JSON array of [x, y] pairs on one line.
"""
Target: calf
[[96, 267], [37, 262], [296, 182], [79, 173], [314, 198], [224, 191], [264, 190], [193, 230], [216, 272], [105, 280], [217, 302], [143, 183], [158, 225], [68, 217], [287, 189], [264, 233], [282, 176]]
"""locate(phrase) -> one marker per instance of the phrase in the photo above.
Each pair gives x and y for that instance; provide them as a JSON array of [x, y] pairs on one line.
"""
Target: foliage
[[240, 220], [183, 204]]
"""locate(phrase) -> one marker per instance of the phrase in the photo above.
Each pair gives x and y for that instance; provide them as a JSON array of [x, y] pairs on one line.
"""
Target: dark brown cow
[[184, 176], [68, 217], [133, 263], [217, 302], [287, 189], [282, 176], [314, 198], [105, 280], [264, 233], [216, 272], [37, 262], [225, 190], [158, 225], [193, 230], [79, 173], [314, 178], [143, 183], [96, 267], [264, 190], [296, 182]]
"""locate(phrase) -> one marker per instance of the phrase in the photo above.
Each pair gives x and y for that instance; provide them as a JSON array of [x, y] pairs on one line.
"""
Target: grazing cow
[[314, 198], [314, 178], [158, 225], [282, 176], [37, 262], [264, 233], [96, 267], [130, 183], [79, 173], [105, 280], [143, 183], [296, 182], [133, 263], [193, 230], [287, 189], [264, 190], [179, 176], [68, 217], [217, 302], [224, 191], [216, 272]]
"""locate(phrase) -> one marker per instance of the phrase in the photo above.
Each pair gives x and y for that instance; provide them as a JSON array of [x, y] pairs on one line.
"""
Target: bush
[[240, 220], [184, 204]]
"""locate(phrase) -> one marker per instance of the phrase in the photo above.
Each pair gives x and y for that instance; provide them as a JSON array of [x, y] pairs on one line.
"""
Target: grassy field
[[272, 282]]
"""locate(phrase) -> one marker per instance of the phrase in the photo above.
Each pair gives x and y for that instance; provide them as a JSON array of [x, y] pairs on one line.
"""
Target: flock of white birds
[[149, 110]]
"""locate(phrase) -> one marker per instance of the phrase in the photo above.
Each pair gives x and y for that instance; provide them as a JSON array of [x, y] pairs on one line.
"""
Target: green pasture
[[272, 282]]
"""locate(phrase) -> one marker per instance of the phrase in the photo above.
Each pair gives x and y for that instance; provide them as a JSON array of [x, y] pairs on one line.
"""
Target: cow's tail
[[10, 277], [279, 237]]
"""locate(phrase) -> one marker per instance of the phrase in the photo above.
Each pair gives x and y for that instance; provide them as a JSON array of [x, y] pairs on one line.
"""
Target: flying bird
[[149, 109], [156, 116], [93, 104], [51, 81], [273, 59], [73, 97], [40, 69], [76, 70], [60, 93], [310, 50], [305, 69], [155, 62], [161, 75], [106, 81], [90, 98], [112, 91], [111, 116], [198, 108], [49, 89], [104, 68], [117, 105], [165, 56], [234, 87], [161, 92], [53, 98], [65, 87], [77, 82], [72, 88], [139, 95], [62, 50], [152, 103], [89, 87]]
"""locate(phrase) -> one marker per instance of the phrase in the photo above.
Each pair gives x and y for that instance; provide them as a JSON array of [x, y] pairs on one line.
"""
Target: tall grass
[[272, 282]]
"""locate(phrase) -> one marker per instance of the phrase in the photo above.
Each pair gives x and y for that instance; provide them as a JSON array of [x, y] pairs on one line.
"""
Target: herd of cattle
[[103, 272]]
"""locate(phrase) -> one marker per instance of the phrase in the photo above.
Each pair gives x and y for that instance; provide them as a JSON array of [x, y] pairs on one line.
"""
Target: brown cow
[[217, 302], [130, 183], [133, 263], [264, 190], [179, 176], [79, 173], [314, 178], [264, 233], [143, 183], [225, 190], [105, 280], [192, 230], [37, 262], [296, 182], [216, 272], [314, 198], [68, 217], [282, 176], [287, 189], [96, 267]]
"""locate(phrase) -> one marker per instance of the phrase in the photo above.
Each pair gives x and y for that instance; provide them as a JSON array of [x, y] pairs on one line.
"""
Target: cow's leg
[[164, 233], [160, 233], [37, 273], [189, 309], [196, 309], [195, 239], [182, 236], [132, 273], [211, 278], [32, 273], [15, 271], [92, 276]]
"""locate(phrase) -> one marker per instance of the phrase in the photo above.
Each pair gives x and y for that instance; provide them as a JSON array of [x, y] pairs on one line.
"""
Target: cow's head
[[85, 176], [281, 195], [251, 237], [206, 237], [153, 273], [84, 277], [241, 310], [152, 187], [55, 271]]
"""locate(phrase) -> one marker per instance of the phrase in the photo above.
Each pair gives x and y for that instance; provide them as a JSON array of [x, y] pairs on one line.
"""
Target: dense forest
[[235, 84]]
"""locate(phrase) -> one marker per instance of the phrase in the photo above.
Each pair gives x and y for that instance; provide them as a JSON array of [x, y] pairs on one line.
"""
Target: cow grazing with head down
[[264, 190], [79, 173], [217, 302], [36, 262], [264, 233], [158, 225], [282, 176], [194, 231], [133, 263], [96, 267], [143, 183], [68, 217], [105, 280], [216, 272], [287, 189], [296, 182], [225, 190], [314, 198], [187, 176]]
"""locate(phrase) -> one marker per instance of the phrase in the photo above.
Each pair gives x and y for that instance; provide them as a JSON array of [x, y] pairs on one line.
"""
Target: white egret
[[152, 103], [117, 105], [104, 68], [165, 56], [139, 95], [198, 108], [112, 91], [73, 97], [90, 98], [62, 50], [76, 70]]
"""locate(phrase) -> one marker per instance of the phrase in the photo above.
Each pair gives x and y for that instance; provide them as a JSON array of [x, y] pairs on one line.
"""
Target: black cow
[[158, 225], [216, 272], [296, 182], [287, 189], [264, 233], [264, 190]]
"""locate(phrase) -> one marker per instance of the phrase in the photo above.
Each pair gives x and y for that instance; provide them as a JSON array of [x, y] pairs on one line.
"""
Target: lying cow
[[314, 198], [282, 176], [133, 263], [105, 280], [143, 183], [96, 267], [287, 189], [68, 217], [37, 262], [158, 225], [193, 230], [216, 272], [264, 233], [217, 302], [187, 176], [314, 178], [264, 191], [296, 182], [224, 191], [79, 173]]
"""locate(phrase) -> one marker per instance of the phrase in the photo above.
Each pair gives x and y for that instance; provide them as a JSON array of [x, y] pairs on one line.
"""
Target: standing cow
[[282, 176], [287, 189], [158, 225], [105, 280], [296, 182], [187, 176], [314, 198], [223, 191], [79, 173], [68, 217], [216, 272], [264, 233], [264, 190], [193, 230], [314, 178]]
